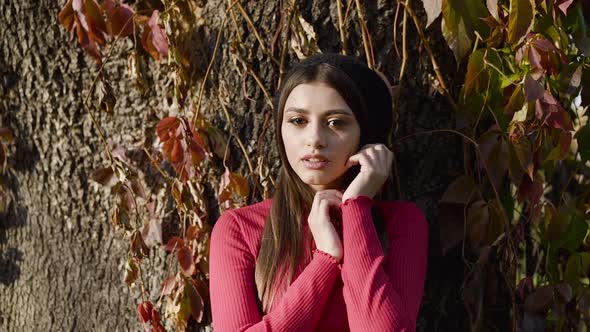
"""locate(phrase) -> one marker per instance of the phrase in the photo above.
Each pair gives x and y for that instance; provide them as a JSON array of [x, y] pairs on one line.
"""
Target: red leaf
[[232, 186], [533, 89], [94, 23], [154, 38], [559, 118], [66, 16], [550, 112], [174, 243], [87, 44], [119, 18], [530, 190], [167, 127], [186, 261], [144, 310], [158, 34], [197, 303], [192, 232]]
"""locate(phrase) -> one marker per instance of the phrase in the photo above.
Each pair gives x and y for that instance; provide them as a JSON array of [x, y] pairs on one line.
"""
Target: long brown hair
[[284, 244]]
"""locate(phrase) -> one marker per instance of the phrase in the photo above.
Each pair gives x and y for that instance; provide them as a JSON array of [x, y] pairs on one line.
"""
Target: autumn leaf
[[138, 247], [104, 176], [154, 38], [131, 272], [119, 18], [86, 18], [533, 88], [232, 188], [530, 190], [106, 96], [144, 309], [183, 146], [174, 243], [197, 303], [186, 261]]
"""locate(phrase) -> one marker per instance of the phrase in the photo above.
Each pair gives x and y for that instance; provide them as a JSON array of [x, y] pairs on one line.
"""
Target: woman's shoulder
[[249, 217]]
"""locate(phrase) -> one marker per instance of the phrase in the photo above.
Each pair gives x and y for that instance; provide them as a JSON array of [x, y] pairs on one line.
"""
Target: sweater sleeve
[[378, 296], [233, 290]]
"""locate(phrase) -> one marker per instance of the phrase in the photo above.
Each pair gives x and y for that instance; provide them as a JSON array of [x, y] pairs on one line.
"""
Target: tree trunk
[[61, 260]]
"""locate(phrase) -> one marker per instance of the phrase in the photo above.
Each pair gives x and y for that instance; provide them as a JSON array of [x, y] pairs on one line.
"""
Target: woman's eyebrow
[[327, 113]]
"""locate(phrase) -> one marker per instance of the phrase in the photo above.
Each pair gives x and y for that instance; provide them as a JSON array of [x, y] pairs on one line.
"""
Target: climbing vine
[[522, 111]]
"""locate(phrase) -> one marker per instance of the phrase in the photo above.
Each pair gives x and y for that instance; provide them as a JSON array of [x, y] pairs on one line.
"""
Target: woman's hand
[[375, 161], [324, 233]]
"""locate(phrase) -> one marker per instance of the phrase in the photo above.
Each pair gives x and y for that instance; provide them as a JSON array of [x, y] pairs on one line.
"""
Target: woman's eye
[[336, 123], [296, 121]]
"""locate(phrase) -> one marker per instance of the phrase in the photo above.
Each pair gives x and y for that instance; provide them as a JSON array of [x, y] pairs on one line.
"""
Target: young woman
[[311, 258]]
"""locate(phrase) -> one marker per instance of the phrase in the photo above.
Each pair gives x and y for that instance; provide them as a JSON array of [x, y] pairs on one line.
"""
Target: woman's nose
[[315, 135]]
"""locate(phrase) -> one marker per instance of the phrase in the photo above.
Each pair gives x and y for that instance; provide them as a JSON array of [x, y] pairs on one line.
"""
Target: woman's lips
[[315, 165]]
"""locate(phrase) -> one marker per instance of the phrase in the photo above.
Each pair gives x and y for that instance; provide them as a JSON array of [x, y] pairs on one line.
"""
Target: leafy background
[[509, 229]]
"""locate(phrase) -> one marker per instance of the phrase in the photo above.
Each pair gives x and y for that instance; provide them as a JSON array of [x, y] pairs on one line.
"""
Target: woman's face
[[320, 133]]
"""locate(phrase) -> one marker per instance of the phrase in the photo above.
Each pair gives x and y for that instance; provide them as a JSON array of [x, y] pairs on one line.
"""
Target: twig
[[261, 85], [341, 27], [242, 147], [166, 176], [402, 70], [431, 55], [395, 28], [253, 27], [368, 51], [285, 43], [202, 89]]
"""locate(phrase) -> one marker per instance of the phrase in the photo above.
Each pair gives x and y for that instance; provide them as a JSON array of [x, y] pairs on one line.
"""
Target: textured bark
[[60, 258]]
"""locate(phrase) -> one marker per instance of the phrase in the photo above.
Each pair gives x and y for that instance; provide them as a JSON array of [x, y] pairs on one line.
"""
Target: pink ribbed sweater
[[369, 291]]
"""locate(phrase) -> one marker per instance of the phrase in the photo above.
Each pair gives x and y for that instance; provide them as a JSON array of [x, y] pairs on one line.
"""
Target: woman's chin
[[318, 183]]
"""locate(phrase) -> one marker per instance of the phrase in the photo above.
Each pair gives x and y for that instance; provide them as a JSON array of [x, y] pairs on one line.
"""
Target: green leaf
[[576, 268], [476, 77], [461, 18], [520, 22], [574, 234]]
